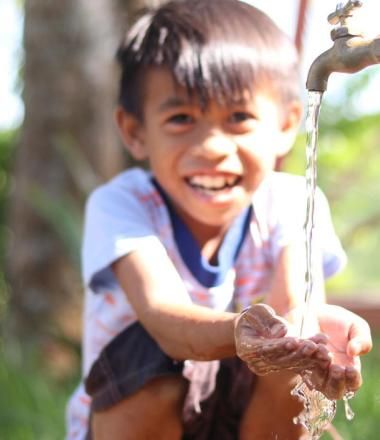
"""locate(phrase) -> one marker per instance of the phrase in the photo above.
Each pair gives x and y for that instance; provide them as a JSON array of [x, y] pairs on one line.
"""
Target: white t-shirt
[[129, 213]]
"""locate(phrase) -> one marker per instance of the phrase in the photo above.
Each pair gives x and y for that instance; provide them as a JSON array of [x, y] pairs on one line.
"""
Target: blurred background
[[58, 141]]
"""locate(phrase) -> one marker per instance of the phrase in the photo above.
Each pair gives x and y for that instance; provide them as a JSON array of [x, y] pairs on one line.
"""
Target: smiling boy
[[209, 95]]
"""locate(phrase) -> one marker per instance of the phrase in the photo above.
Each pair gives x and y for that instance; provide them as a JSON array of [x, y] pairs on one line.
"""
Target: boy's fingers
[[357, 346], [320, 338], [335, 385], [278, 330], [334, 382], [317, 379], [280, 345], [360, 340], [322, 355], [263, 320], [269, 349], [289, 354], [262, 368], [353, 379]]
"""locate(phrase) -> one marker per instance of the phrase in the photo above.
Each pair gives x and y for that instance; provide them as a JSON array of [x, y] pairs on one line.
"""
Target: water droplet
[[347, 408]]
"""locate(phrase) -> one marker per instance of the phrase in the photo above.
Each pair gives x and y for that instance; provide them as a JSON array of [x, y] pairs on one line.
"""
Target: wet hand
[[349, 337], [263, 342]]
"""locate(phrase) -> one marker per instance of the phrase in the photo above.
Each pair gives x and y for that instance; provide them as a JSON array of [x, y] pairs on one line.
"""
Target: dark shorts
[[218, 391]]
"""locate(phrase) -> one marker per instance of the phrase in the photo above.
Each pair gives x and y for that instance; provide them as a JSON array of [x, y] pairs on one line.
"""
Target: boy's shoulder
[[130, 178], [280, 187], [282, 180], [292, 189], [282, 197], [126, 184]]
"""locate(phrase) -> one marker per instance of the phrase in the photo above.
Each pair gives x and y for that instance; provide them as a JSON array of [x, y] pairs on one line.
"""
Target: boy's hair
[[216, 49]]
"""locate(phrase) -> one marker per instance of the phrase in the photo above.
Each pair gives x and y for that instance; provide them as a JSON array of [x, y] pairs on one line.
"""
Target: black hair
[[216, 49]]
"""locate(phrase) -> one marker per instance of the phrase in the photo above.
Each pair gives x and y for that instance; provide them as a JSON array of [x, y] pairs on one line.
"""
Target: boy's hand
[[261, 341], [349, 337], [329, 363]]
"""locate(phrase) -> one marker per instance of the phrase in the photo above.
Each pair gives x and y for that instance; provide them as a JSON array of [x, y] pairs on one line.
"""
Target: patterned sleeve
[[290, 219], [334, 256], [116, 223]]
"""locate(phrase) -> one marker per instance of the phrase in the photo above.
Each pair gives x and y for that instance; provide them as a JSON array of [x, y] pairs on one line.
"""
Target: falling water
[[311, 125], [318, 410]]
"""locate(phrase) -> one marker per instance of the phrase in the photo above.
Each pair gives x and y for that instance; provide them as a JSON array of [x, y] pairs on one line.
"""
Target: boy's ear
[[131, 132], [289, 127]]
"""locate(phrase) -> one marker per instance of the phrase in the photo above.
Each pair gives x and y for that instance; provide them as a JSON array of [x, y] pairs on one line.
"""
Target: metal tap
[[350, 53]]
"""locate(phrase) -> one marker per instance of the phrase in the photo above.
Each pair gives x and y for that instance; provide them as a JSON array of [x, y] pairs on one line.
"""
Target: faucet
[[350, 53]]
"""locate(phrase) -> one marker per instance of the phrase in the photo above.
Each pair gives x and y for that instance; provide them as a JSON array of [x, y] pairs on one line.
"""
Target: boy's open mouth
[[213, 184]]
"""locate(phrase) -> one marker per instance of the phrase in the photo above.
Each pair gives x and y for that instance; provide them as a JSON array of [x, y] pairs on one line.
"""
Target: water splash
[[318, 411]]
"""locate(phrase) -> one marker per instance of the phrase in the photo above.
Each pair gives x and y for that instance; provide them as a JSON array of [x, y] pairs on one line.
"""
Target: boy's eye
[[238, 117], [181, 119]]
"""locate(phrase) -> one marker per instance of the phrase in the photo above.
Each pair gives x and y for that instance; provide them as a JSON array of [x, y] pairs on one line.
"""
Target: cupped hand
[[262, 341], [349, 337]]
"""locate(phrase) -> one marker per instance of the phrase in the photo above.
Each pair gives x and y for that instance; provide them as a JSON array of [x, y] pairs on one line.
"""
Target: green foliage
[[345, 106], [66, 214], [7, 143], [32, 402], [348, 172]]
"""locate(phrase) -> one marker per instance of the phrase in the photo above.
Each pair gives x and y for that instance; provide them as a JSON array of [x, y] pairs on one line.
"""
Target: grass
[[32, 400]]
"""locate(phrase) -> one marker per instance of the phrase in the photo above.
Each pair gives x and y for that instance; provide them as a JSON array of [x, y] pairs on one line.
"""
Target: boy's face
[[209, 162]]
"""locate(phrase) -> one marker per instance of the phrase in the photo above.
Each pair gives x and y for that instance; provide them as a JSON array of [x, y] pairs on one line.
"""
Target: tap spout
[[349, 54]]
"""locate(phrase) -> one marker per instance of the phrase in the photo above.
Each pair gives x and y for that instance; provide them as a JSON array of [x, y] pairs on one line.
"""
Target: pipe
[[350, 53]]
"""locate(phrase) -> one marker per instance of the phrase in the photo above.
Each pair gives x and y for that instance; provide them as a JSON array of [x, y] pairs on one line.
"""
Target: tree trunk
[[69, 85]]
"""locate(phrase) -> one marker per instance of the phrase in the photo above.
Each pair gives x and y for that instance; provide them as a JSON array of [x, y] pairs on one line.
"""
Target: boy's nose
[[216, 145]]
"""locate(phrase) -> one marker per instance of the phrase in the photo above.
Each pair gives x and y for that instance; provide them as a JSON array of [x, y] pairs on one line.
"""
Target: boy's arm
[[287, 293], [182, 329], [188, 331]]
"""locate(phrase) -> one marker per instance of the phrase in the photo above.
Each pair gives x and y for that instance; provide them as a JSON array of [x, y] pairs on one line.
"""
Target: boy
[[209, 95]]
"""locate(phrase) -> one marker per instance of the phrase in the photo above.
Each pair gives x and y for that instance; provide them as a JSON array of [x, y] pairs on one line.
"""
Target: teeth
[[213, 182], [231, 180]]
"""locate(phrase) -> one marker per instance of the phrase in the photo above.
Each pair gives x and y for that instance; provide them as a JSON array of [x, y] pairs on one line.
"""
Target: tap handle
[[342, 12]]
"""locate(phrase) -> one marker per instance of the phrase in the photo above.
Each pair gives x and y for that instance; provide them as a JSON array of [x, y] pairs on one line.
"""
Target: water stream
[[311, 126], [318, 410]]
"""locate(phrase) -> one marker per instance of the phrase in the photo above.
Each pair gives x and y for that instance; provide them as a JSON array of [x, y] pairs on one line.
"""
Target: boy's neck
[[208, 237]]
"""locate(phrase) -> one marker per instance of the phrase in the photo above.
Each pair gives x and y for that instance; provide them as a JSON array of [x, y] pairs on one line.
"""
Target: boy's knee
[[272, 391], [166, 390], [277, 383], [277, 389], [160, 401], [158, 397]]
